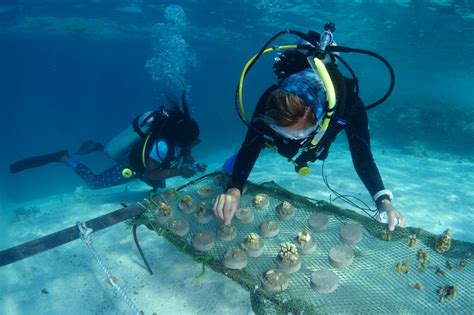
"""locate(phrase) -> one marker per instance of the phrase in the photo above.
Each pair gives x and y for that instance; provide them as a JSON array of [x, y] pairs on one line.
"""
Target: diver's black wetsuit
[[349, 107]]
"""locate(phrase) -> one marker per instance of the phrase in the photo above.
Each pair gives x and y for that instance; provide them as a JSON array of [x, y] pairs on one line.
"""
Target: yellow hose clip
[[304, 171], [127, 172]]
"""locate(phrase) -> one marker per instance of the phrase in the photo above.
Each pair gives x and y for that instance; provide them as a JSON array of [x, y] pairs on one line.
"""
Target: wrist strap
[[383, 192]]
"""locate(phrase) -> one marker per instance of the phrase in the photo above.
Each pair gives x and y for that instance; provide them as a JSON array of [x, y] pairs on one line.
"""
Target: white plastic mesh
[[369, 284]]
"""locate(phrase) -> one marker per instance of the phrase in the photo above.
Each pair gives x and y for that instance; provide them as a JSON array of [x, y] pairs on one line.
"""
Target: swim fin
[[89, 146], [37, 161]]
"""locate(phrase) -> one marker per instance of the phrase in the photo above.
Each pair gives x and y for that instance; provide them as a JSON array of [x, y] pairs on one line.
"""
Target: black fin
[[37, 161]]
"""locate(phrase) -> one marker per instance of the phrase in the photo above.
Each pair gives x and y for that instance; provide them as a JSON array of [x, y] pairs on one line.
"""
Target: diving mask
[[293, 134]]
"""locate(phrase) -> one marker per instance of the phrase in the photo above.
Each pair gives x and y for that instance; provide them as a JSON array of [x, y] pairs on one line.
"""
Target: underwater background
[[77, 70]]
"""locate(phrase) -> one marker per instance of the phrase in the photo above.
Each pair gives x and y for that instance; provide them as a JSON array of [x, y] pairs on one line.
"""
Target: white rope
[[85, 234]]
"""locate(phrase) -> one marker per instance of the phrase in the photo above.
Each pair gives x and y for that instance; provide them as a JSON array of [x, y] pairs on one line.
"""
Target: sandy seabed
[[432, 194]]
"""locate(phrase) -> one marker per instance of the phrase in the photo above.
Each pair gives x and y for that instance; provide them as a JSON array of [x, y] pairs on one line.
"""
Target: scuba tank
[[119, 146]]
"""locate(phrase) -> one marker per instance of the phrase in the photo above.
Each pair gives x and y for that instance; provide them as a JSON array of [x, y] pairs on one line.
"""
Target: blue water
[[77, 70]]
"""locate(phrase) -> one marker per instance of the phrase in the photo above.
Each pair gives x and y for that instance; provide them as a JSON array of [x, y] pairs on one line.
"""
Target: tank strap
[[137, 129]]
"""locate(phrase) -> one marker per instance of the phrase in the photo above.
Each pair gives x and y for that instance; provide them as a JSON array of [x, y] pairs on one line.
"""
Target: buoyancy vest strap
[[144, 150], [137, 128]]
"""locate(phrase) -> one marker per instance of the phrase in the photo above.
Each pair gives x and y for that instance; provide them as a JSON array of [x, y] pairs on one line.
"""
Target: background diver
[[304, 112], [156, 146]]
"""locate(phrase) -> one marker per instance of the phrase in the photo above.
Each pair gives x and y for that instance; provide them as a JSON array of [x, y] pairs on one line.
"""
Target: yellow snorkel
[[320, 69]]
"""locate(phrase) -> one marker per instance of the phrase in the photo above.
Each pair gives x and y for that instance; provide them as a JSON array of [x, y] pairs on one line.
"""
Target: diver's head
[[181, 128], [294, 108], [186, 133], [289, 115]]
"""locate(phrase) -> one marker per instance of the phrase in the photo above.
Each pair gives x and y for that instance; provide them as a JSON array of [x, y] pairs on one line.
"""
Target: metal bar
[[62, 237]]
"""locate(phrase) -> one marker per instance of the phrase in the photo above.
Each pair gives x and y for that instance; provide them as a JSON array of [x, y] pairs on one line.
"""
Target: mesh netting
[[370, 283]]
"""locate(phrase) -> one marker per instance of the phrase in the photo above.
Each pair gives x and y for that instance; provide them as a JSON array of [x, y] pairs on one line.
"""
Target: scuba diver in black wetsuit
[[301, 116], [156, 146]]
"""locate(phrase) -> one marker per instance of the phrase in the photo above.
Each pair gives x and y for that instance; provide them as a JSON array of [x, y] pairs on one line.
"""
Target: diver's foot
[[60, 156], [64, 157], [89, 146]]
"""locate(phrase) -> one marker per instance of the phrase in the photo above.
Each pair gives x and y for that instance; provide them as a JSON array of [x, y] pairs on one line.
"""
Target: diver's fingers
[[392, 220], [231, 207], [401, 220], [234, 210], [216, 202], [227, 208], [219, 206]]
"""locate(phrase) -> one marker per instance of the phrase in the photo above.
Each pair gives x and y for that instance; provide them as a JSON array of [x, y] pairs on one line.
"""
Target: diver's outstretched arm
[[364, 164], [153, 172]]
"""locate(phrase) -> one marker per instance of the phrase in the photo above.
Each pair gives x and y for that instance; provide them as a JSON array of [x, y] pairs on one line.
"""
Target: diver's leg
[[110, 177], [89, 146]]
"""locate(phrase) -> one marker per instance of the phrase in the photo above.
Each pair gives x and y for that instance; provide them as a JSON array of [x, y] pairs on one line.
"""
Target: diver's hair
[[185, 132], [285, 109]]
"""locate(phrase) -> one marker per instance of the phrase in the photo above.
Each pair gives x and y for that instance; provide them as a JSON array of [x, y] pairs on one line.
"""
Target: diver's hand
[[199, 167], [388, 214], [226, 205], [188, 159], [187, 172]]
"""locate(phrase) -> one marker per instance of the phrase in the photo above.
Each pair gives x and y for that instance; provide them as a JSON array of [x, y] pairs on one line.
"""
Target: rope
[[85, 234], [346, 198]]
